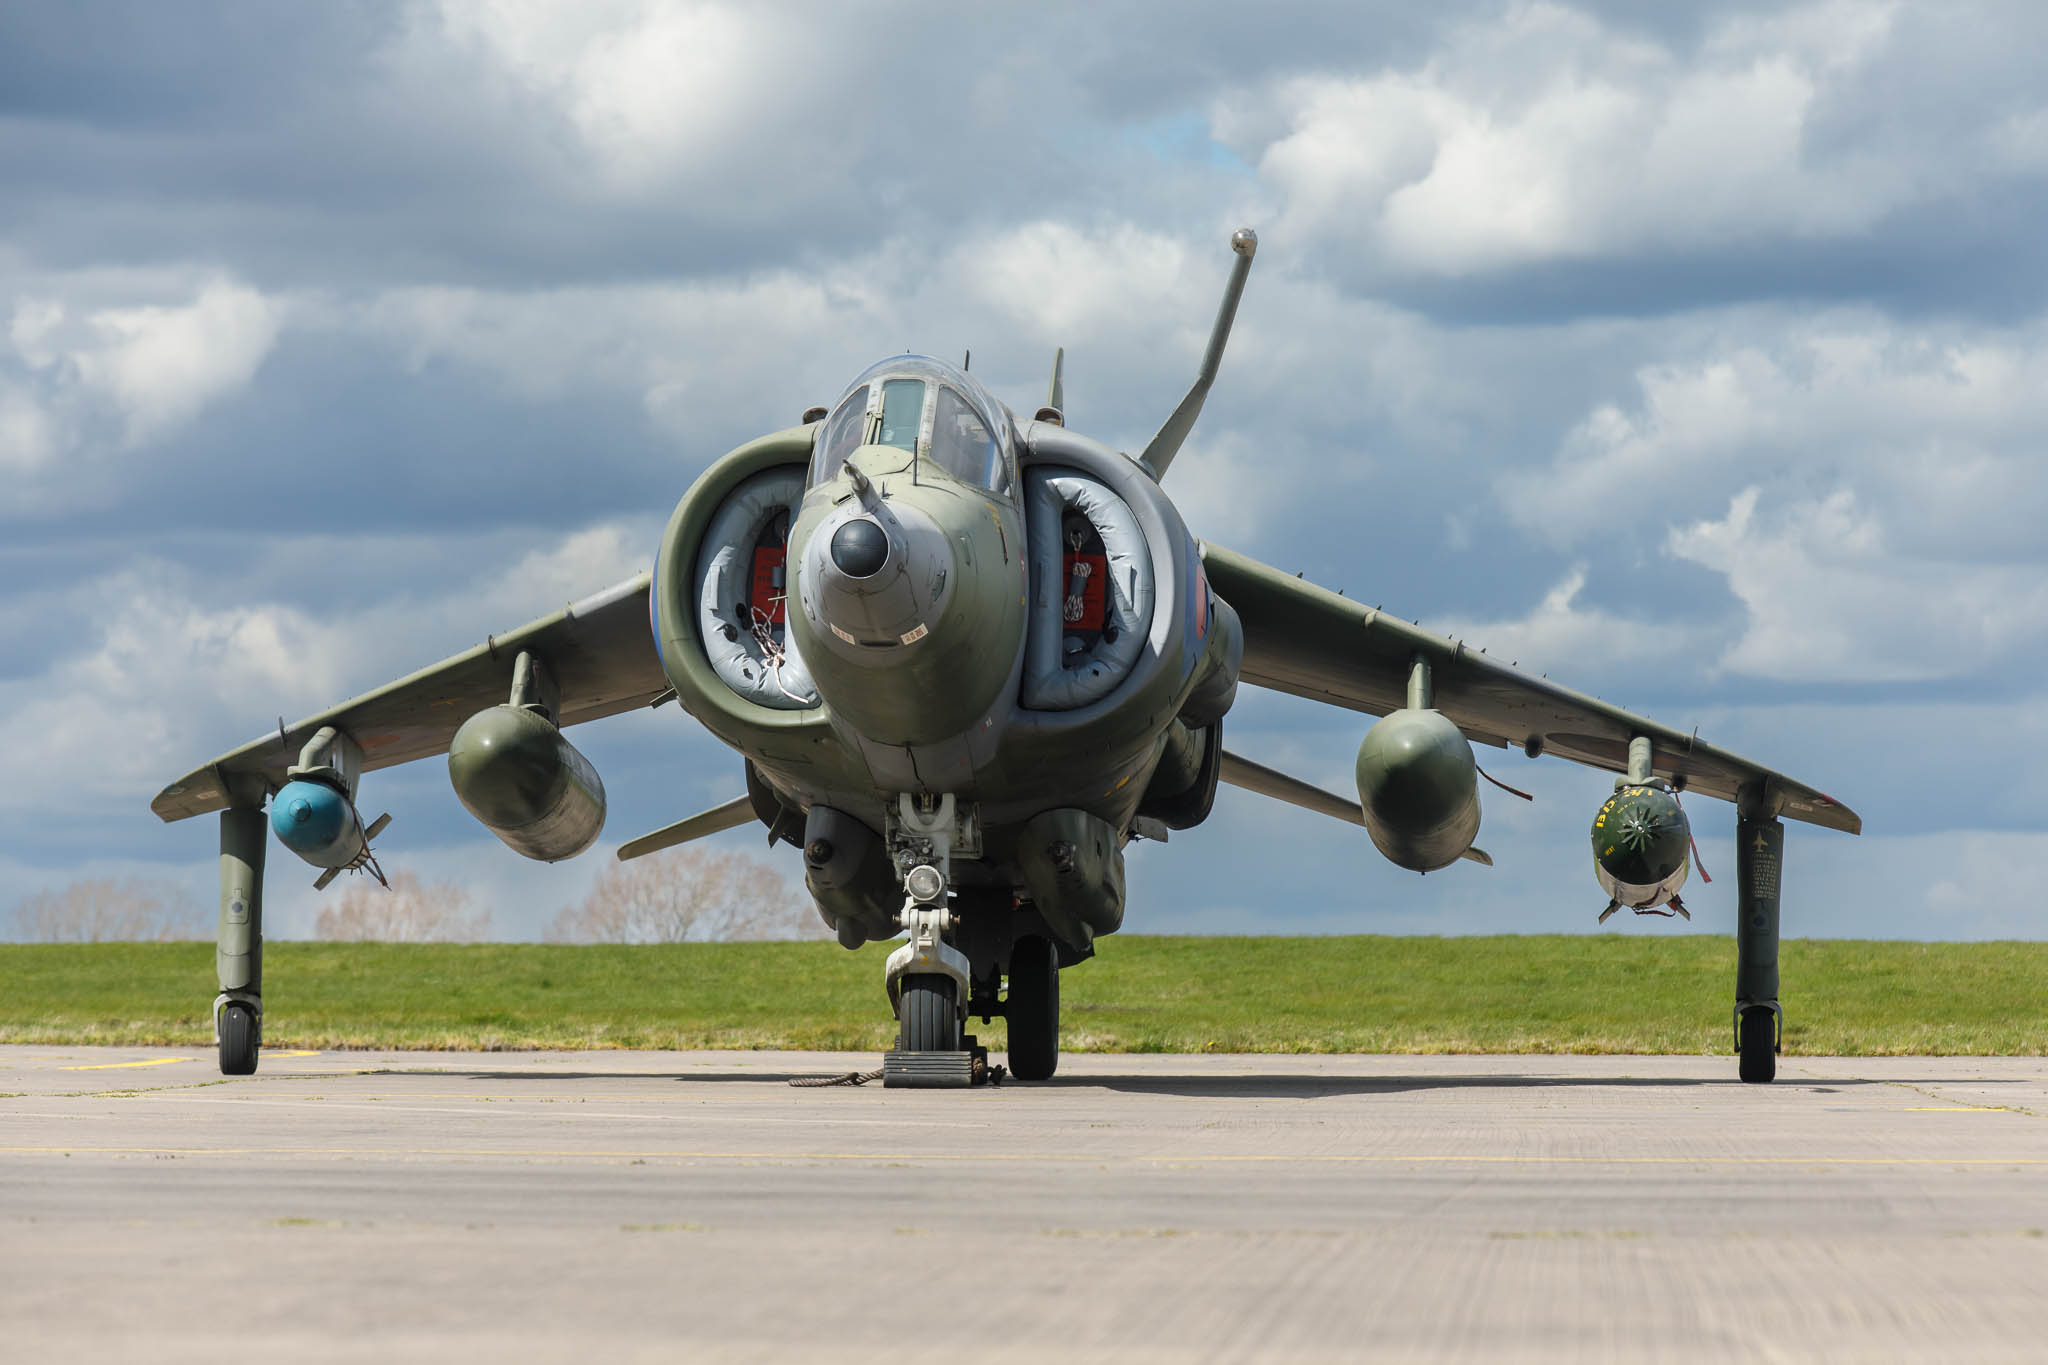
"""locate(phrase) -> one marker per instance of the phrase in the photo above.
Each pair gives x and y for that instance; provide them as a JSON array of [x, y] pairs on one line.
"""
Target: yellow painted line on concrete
[[1957, 1109], [166, 1061], [1071, 1158]]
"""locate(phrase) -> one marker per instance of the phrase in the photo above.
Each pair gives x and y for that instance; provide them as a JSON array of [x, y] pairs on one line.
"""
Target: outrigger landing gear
[[238, 957], [1033, 1009], [1759, 860]]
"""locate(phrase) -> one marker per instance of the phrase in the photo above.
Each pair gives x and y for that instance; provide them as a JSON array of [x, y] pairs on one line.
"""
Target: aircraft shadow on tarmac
[[1185, 1086], [1316, 1087], [469, 1074]]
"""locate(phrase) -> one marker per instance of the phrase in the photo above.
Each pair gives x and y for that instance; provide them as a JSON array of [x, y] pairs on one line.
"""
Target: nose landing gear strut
[[928, 978]]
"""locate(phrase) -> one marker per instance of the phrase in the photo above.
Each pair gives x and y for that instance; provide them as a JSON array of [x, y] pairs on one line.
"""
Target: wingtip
[[193, 794]]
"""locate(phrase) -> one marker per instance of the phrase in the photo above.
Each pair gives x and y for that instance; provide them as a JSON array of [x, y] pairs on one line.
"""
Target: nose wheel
[[930, 1015], [927, 977]]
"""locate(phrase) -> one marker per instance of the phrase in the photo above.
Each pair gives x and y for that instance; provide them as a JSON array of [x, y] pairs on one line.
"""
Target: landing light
[[924, 884]]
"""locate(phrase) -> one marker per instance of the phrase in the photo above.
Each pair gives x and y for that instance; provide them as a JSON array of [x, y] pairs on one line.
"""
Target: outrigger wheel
[[1034, 1009], [1759, 1045], [930, 1013], [237, 1040]]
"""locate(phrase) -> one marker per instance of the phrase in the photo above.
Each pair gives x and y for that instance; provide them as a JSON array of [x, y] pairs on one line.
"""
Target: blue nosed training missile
[[317, 822]]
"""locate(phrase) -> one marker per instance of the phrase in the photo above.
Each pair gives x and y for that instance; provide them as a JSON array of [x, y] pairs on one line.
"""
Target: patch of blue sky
[[1184, 139]]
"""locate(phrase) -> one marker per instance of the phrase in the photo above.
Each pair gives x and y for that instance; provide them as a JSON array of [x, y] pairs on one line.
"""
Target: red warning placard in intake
[[1086, 591], [767, 595]]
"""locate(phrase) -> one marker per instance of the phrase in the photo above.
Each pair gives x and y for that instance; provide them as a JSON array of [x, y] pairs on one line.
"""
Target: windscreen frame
[[995, 475]]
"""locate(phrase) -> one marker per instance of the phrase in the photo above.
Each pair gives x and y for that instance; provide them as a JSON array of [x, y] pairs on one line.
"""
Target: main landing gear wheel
[[1759, 1042], [930, 1015], [1034, 1010], [237, 1040]]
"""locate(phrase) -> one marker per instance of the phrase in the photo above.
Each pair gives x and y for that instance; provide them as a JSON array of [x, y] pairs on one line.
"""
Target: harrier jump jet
[[964, 659]]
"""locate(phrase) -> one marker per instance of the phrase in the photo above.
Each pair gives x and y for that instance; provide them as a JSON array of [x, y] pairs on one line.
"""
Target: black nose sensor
[[860, 548]]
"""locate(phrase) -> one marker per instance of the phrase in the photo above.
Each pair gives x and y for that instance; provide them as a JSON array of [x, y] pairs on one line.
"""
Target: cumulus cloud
[[580, 564], [120, 716], [1562, 633], [81, 367], [167, 676], [1827, 601], [649, 89], [1062, 281], [714, 360], [557, 251], [1881, 483], [1939, 423], [1538, 132], [161, 365], [678, 349], [1128, 304]]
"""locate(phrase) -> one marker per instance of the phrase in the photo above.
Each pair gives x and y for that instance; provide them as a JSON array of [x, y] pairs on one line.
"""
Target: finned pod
[[318, 822], [1642, 844]]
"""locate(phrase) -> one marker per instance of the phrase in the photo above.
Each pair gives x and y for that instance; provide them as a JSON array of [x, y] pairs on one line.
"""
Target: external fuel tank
[[526, 784], [1419, 788]]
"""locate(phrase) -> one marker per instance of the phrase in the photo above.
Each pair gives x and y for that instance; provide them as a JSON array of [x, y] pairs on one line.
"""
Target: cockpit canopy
[[923, 406]]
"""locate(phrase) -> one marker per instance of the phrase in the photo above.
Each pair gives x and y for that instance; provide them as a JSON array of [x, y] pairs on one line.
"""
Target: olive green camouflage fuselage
[[965, 660], [941, 714]]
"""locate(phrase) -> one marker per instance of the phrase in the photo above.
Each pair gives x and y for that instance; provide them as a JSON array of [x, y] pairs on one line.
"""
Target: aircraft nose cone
[[860, 548]]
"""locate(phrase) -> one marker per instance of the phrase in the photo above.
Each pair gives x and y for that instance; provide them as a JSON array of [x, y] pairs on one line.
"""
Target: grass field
[[1539, 993]]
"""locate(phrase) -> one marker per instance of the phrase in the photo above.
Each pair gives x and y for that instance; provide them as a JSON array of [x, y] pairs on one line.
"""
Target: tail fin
[[1166, 444]]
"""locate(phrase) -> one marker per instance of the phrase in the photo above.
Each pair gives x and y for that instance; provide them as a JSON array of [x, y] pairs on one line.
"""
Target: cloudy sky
[[1696, 355]]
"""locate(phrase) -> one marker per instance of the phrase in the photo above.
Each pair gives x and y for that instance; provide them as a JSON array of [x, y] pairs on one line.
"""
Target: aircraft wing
[[600, 653], [1309, 641]]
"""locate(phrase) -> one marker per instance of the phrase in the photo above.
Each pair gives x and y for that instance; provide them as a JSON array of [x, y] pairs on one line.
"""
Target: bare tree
[[692, 893], [102, 910], [406, 912]]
